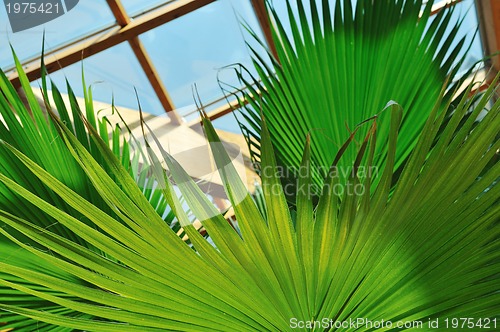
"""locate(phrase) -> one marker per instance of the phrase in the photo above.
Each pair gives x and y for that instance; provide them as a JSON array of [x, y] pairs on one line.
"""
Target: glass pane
[[193, 48], [137, 7], [114, 72], [88, 16]]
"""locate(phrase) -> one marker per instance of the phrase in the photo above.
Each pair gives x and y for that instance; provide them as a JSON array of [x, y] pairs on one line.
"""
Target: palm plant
[[337, 67], [29, 130], [88, 246], [423, 249]]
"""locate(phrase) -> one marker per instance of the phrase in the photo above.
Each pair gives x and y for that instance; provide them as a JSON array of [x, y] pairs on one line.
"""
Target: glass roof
[[87, 17], [194, 48], [137, 7], [113, 72]]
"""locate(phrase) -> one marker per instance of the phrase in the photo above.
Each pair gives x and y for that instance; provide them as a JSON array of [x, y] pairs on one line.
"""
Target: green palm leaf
[[338, 67], [28, 129], [422, 249]]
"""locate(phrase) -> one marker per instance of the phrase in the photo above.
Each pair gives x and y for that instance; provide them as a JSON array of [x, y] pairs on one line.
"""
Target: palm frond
[[29, 129], [425, 248], [338, 67]]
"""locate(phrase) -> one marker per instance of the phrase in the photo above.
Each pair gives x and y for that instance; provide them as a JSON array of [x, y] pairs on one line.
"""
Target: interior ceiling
[[128, 30]]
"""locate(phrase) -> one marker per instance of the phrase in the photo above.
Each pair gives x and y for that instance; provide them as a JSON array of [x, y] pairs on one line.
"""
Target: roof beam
[[110, 37], [220, 111], [259, 7], [119, 12], [495, 10], [154, 79], [147, 65]]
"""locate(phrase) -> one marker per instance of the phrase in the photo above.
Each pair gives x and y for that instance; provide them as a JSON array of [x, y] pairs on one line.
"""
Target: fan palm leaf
[[425, 248], [337, 67], [28, 129]]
